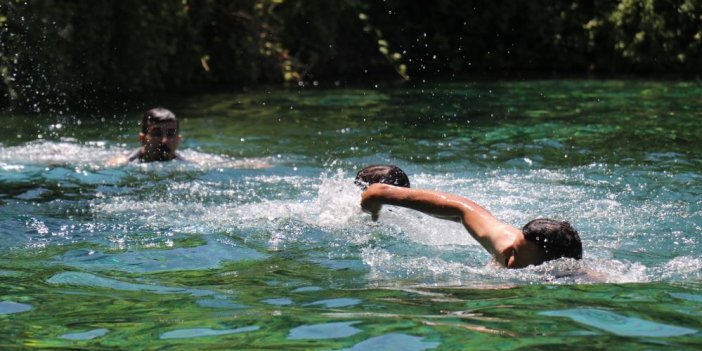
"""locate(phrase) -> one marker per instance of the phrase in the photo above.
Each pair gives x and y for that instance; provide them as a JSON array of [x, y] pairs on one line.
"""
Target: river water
[[260, 243]]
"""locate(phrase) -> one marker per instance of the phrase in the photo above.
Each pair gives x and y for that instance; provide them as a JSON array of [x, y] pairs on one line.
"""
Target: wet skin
[[504, 242], [160, 141]]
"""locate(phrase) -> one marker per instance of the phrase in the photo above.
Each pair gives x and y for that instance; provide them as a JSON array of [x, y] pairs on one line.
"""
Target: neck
[[154, 155]]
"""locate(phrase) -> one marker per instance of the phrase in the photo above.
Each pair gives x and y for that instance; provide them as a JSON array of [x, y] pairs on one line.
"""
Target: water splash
[[616, 211]]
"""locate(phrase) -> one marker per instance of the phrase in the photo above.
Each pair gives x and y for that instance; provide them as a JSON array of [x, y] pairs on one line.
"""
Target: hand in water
[[371, 206]]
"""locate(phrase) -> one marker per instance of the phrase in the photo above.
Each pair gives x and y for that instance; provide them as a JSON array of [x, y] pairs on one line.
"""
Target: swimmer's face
[[523, 253], [160, 141]]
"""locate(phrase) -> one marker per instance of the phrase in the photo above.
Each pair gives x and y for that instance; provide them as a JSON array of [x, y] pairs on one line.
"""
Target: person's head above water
[[159, 135], [539, 241], [556, 239], [386, 174]]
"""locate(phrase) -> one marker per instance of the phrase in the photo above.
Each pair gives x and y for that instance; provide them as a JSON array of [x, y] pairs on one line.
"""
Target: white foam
[[56, 152], [680, 268], [95, 154], [325, 210]]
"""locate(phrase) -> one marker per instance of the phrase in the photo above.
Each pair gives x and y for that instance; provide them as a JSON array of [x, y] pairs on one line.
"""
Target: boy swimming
[[540, 240]]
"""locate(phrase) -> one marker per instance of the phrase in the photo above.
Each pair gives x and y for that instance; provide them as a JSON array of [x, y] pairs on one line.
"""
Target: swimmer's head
[[159, 135], [386, 174], [158, 115], [556, 238]]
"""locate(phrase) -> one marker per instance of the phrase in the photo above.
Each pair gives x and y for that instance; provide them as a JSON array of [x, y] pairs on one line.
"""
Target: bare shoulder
[[124, 159], [251, 164], [117, 161]]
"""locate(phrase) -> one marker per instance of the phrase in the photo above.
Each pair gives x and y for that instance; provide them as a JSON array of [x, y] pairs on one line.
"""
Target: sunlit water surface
[[260, 241]]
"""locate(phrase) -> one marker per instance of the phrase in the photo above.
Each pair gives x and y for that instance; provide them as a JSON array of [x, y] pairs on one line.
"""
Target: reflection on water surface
[[261, 243]]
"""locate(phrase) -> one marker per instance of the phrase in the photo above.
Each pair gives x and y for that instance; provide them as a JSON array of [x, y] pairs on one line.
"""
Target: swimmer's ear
[[507, 253], [142, 137]]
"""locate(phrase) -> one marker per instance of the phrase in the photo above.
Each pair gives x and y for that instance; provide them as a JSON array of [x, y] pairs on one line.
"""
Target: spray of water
[[271, 209]]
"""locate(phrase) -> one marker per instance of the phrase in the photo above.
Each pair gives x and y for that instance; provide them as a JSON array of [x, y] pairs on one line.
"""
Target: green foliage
[[60, 51], [65, 50], [626, 36], [656, 35]]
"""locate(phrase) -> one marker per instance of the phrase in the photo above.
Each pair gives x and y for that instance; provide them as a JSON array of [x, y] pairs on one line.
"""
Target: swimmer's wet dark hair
[[556, 238], [158, 115], [387, 174]]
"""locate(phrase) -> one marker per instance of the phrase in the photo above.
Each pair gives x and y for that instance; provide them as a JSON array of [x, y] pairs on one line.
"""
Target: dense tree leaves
[[76, 49]]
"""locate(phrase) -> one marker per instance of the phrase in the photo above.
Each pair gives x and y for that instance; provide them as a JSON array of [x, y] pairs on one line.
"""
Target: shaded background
[[72, 52]]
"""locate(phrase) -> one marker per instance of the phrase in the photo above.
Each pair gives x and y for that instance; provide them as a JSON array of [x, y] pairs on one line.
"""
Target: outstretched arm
[[492, 234]]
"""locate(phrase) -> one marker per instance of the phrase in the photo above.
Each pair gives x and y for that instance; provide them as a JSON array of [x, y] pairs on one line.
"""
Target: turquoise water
[[261, 244]]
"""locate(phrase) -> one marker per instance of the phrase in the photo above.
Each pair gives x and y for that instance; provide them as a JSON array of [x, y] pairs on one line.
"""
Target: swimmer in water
[[386, 174], [538, 241], [159, 139]]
